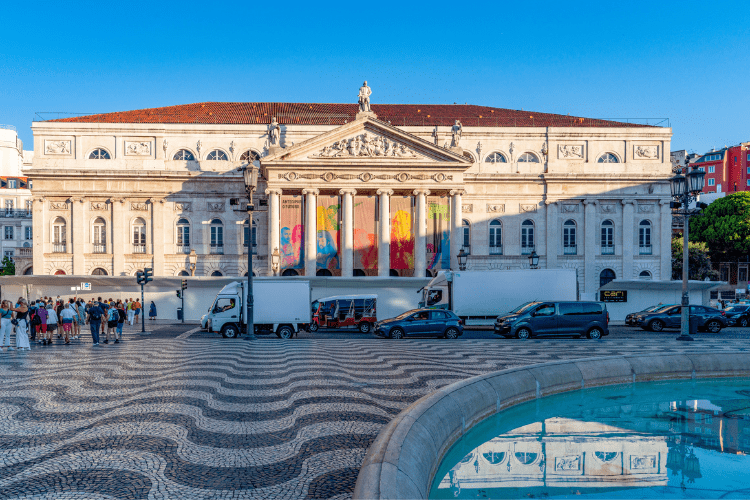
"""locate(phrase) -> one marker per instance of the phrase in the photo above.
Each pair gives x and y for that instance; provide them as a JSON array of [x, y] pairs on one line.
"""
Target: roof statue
[[456, 131], [274, 132], [364, 98]]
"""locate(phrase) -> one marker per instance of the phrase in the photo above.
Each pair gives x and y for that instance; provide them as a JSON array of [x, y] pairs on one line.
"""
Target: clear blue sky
[[687, 61]]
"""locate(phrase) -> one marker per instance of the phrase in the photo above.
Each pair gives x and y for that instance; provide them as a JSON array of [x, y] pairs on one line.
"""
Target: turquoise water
[[652, 440]]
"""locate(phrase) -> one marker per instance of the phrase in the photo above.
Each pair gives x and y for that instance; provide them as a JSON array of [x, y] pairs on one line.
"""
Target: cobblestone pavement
[[184, 415]]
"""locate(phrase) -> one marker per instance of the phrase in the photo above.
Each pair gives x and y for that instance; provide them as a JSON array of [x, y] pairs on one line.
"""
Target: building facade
[[348, 191], [15, 200], [727, 170]]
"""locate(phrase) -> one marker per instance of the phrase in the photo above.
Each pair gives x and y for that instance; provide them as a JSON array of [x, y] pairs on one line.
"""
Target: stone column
[[384, 233], [311, 231], [665, 241], [158, 237], [554, 242], [420, 233], [78, 236], [347, 242], [590, 281], [120, 237], [457, 237], [628, 209], [273, 224], [41, 234]]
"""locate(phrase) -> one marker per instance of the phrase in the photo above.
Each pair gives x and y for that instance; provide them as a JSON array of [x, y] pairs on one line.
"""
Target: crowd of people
[[40, 320]]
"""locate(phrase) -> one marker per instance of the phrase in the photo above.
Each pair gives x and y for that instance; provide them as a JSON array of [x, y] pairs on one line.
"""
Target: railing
[[15, 214], [25, 252], [183, 249], [496, 250], [217, 249], [139, 248], [58, 248], [608, 250], [644, 250], [100, 248], [570, 250]]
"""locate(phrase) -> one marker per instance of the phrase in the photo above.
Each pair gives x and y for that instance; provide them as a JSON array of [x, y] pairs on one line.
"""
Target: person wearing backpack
[[41, 313], [112, 318], [52, 321], [67, 316], [95, 321]]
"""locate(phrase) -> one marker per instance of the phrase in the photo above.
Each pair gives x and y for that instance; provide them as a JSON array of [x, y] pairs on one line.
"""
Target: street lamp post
[[462, 256], [533, 260], [250, 176], [193, 258], [275, 260], [685, 188]]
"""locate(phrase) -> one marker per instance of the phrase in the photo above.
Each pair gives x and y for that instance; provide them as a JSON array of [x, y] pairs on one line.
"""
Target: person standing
[[112, 318], [41, 312], [52, 321], [95, 320], [131, 311], [6, 315], [152, 311], [75, 327], [22, 314], [137, 308], [68, 317], [121, 316]]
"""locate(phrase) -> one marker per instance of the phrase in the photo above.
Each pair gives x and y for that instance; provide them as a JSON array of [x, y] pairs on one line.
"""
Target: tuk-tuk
[[344, 311]]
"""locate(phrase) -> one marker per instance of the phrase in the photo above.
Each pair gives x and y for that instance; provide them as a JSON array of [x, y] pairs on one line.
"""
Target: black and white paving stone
[[192, 416]]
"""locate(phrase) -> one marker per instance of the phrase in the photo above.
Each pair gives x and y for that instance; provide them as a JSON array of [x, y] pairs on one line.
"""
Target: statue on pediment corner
[[456, 131], [364, 98], [274, 132]]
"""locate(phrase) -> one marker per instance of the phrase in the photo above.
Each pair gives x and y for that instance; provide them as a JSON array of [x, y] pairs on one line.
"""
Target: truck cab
[[436, 294], [225, 314]]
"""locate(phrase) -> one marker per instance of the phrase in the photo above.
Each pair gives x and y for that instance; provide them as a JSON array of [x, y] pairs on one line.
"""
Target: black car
[[555, 318], [738, 315], [421, 322], [630, 319], [707, 319]]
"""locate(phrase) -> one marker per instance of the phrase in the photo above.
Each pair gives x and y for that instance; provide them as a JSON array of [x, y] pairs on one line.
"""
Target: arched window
[[216, 273], [98, 272], [291, 272], [217, 237], [184, 155], [58, 235], [527, 237], [495, 157], [645, 275], [183, 235], [139, 236], [246, 236], [100, 235], [217, 154], [466, 229], [496, 237], [608, 158], [569, 237], [183, 273], [28, 271], [59, 272], [606, 276], [323, 272], [528, 158], [644, 238], [608, 237], [249, 156], [99, 154]]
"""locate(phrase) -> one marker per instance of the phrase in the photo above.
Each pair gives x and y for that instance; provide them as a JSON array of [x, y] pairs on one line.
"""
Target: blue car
[[421, 322]]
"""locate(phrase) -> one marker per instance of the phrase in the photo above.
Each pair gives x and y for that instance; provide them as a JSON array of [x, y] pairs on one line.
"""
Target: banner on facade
[[438, 232], [328, 232], [402, 234], [365, 233], [291, 233]]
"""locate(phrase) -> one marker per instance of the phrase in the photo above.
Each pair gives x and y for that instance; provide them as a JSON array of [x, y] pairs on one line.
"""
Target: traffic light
[[139, 277], [148, 274], [184, 284], [179, 294]]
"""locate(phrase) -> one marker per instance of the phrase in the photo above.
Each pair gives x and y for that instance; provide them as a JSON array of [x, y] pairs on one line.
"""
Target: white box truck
[[279, 306], [479, 297]]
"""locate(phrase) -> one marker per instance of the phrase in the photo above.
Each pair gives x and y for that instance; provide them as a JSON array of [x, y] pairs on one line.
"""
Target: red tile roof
[[337, 114]]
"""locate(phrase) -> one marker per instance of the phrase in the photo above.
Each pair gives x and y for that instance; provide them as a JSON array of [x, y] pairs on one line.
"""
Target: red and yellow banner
[[365, 233], [402, 233], [438, 232], [291, 233], [328, 232]]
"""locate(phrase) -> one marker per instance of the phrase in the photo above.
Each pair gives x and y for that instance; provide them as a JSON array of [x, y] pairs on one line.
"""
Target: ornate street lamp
[[685, 188], [275, 259], [462, 256], [193, 259], [533, 260], [250, 176]]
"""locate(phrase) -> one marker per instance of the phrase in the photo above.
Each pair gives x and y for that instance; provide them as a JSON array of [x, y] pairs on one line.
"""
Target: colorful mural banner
[[438, 232], [402, 233], [328, 232], [365, 233], [291, 233]]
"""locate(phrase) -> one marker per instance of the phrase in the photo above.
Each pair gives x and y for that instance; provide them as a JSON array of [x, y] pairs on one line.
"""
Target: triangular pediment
[[366, 140]]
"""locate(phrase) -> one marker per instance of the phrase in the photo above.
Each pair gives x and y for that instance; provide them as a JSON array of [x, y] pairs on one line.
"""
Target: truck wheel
[[595, 333], [656, 325], [285, 332], [230, 332], [713, 326], [397, 333], [313, 327], [364, 327], [451, 333], [523, 333]]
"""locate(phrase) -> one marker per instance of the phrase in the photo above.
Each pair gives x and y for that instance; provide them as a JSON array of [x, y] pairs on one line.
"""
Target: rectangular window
[[569, 240], [12, 184], [29, 207], [27, 233], [8, 253], [644, 240], [711, 169], [527, 240], [217, 236], [8, 208], [608, 240], [711, 182], [8, 232]]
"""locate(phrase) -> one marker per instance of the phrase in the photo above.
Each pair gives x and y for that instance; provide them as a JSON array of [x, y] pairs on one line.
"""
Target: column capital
[[387, 192], [665, 202], [627, 202], [590, 202], [425, 192], [350, 191], [312, 191], [457, 192], [276, 191]]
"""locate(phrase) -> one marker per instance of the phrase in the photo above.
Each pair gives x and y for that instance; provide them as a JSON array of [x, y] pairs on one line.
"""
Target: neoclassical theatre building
[[350, 190]]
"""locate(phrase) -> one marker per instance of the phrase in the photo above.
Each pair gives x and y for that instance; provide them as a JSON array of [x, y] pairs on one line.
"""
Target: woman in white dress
[[22, 316], [5, 326]]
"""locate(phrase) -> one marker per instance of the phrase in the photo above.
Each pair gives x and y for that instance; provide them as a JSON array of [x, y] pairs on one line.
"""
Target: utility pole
[[142, 278]]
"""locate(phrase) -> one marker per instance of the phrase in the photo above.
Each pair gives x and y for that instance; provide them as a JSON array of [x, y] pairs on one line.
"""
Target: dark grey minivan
[[555, 318]]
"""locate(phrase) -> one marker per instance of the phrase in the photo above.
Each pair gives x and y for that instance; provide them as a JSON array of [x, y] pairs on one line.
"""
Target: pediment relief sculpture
[[57, 147], [570, 152], [647, 152], [366, 145], [137, 148]]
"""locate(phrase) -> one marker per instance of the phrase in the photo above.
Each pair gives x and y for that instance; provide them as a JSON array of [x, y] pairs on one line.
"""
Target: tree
[[9, 267], [700, 264], [724, 227]]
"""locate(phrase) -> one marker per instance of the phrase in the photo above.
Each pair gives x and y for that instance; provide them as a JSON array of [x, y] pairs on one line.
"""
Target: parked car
[[707, 318], [420, 322], [630, 318], [738, 315], [555, 318]]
